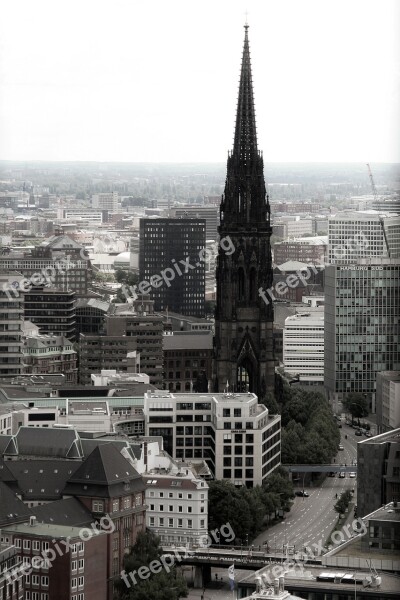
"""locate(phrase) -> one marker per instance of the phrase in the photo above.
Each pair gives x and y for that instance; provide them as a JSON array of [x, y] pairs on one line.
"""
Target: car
[[358, 432], [341, 447], [352, 475], [302, 493], [332, 474], [342, 474], [368, 434]]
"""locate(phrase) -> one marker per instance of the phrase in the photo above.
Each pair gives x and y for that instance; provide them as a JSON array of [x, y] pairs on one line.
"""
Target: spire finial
[[246, 24]]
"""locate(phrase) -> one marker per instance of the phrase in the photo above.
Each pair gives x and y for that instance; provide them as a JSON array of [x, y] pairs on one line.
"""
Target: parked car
[[302, 493], [358, 432], [342, 474], [352, 475], [332, 474], [341, 447]]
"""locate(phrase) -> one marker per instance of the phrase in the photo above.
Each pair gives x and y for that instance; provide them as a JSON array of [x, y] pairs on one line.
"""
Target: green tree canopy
[[356, 404], [161, 585]]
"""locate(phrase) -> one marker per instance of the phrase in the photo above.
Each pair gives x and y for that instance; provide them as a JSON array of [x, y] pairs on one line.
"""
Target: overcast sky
[[156, 80]]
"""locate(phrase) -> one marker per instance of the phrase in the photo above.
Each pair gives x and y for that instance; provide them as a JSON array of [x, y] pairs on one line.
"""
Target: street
[[312, 519]]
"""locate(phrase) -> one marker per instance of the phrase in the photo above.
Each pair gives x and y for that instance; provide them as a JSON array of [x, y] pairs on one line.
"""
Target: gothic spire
[[245, 200], [245, 141]]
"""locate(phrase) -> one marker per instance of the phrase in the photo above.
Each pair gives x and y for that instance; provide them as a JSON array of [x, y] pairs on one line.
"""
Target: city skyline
[[157, 82]]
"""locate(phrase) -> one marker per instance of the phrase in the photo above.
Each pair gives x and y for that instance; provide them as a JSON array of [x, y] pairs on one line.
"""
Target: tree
[[343, 502], [357, 405], [160, 585], [271, 404]]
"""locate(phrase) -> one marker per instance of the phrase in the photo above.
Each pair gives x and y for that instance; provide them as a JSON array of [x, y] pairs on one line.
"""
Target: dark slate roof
[[5, 473], [88, 445], [42, 479], [48, 441], [6, 443], [68, 511], [105, 465], [12, 509], [104, 473]]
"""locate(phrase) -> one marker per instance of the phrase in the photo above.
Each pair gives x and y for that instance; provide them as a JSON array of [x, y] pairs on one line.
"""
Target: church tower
[[243, 352]]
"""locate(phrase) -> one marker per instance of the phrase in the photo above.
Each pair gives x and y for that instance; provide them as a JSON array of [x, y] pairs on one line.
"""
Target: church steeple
[[245, 142], [243, 320], [245, 199]]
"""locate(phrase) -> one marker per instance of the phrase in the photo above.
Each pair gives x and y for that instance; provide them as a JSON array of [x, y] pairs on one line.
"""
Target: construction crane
[[375, 193]]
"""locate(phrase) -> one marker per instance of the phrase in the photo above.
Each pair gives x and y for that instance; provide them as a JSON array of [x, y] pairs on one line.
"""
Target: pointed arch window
[[253, 284], [241, 283]]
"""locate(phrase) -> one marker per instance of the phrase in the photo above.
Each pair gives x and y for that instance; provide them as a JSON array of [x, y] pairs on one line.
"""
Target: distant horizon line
[[124, 162]]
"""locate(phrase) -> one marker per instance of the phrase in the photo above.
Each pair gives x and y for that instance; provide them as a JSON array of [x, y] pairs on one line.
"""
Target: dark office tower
[[243, 328], [172, 264], [52, 310]]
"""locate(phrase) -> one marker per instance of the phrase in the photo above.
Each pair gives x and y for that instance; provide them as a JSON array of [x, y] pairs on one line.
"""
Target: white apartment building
[[106, 201], [90, 216], [387, 400], [363, 234], [303, 346], [233, 433], [177, 507]]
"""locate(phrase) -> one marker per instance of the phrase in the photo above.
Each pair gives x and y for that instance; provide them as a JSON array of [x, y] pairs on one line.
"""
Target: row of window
[[171, 523]]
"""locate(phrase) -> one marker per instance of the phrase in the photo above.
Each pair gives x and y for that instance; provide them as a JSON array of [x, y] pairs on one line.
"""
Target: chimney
[[32, 521]]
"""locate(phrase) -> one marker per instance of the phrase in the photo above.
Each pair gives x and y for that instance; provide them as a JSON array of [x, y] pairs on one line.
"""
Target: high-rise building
[[105, 201], [172, 264], [209, 213], [362, 234], [362, 325], [11, 319], [243, 326], [307, 250], [303, 347]]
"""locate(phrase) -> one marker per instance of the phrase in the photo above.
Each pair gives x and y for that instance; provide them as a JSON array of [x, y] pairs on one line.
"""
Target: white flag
[[231, 576]]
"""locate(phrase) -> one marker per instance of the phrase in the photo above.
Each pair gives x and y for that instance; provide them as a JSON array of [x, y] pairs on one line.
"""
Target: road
[[311, 520]]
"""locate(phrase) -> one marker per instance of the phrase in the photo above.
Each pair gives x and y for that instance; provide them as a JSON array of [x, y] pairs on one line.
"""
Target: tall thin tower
[[243, 350]]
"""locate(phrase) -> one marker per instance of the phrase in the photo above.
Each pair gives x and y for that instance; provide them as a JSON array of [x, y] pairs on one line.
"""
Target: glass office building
[[362, 325]]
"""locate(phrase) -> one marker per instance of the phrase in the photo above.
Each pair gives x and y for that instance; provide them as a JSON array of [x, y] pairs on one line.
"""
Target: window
[[74, 565], [97, 506], [35, 545], [27, 544], [161, 507], [81, 563], [180, 522], [81, 581], [45, 581], [161, 521], [73, 583], [170, 522], [115, 506], [237, 412], [189, 509], [190, 523], [171, 508], [17, 542], [151, 521]]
